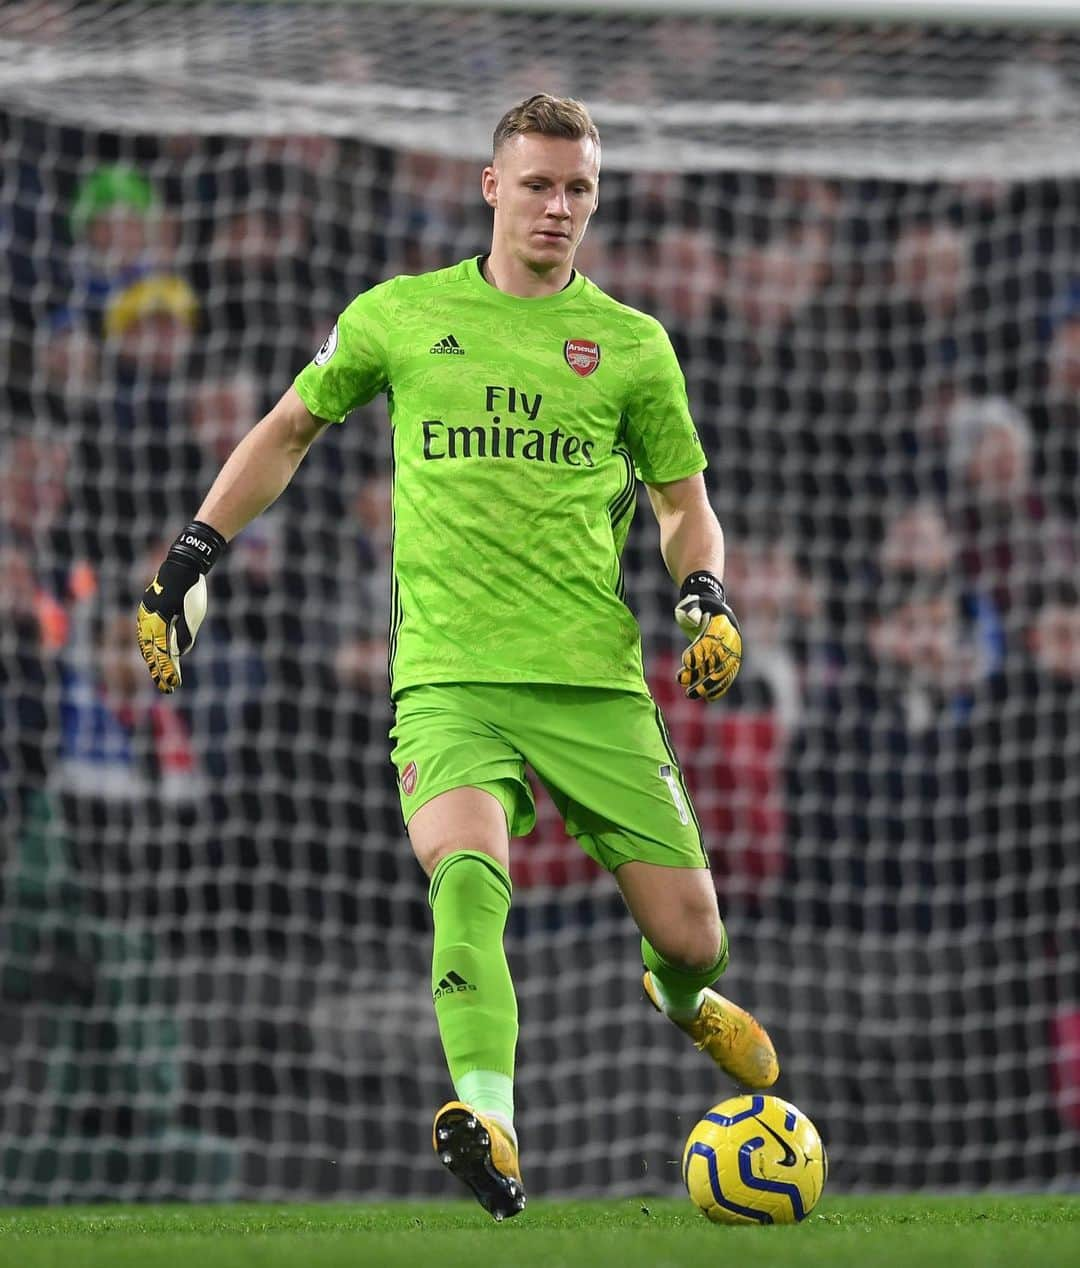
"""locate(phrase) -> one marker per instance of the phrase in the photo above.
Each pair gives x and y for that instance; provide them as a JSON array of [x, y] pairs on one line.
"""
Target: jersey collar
[[571, 290]]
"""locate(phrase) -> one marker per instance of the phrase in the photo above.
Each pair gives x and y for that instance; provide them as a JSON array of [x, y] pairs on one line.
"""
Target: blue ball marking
[[761, 1185], [757, 1104], [701, 1150]]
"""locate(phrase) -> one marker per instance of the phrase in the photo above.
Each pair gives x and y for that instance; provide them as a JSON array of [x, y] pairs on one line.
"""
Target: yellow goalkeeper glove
[[712, 660], [174, 604]]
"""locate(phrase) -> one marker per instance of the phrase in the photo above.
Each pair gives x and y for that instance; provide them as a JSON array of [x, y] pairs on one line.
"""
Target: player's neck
[[507, 273]]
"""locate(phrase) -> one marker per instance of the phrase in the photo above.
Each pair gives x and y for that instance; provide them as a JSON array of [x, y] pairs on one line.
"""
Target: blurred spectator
[[682, 279], [121, 744], [1032, 784], [918, 547], [38, 520], [917, 542], [34, 494], [67, 364], [640, 204], [633, 82], [118, 233], [536, 73], [1056, 417], [138, 451], [767, 286], [40, 21], [363, 713], [780, 411], [434, 216], [148, 327], [1005, 533], [924, 320], [361, 658], [674, 273], [931, 270], [256, 278], [685, 54], [226, 403], [1030, 880], [878, 773], [109, 217], [27, 691]]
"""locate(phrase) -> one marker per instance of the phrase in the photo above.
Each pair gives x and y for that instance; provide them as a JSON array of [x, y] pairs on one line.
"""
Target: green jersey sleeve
[[351, 366], [660, 433]]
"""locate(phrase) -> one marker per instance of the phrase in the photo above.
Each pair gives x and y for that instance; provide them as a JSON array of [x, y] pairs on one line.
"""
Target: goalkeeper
[[524, 405]]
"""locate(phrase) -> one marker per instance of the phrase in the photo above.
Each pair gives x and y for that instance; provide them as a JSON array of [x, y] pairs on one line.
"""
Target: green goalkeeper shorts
[[603, 755]]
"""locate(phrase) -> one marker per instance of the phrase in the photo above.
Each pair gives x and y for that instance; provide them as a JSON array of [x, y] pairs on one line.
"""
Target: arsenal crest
[[408, 778], [582, 356]]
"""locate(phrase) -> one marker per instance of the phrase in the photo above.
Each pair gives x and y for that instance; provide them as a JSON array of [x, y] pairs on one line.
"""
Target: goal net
[[863, 238]]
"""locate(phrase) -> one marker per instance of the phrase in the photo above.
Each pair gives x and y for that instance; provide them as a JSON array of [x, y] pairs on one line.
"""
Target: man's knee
[[676, 911], [430, 853], [461, 819], [695, 945]]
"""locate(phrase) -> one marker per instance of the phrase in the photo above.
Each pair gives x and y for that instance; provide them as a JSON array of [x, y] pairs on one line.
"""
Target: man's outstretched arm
[[692, 544], [259, 469], [255, 474]]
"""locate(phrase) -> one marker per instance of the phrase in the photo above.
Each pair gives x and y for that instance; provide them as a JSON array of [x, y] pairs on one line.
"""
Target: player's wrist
[[198, 546], [703, 584]]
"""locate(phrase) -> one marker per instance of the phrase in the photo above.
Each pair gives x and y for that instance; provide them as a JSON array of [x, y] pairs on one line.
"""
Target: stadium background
[[863, 238]]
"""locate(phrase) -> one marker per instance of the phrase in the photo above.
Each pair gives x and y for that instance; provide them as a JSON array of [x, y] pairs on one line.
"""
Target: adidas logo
[[451, 984], [448, 346]]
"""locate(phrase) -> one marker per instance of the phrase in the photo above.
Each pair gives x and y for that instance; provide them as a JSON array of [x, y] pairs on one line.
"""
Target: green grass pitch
[[978, 1232]]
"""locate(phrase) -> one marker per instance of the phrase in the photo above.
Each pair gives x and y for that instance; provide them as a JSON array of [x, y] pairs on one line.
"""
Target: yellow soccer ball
[[755, 1160]]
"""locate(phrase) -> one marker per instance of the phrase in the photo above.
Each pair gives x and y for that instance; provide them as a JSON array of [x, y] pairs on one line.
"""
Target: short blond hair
[[547, 116]]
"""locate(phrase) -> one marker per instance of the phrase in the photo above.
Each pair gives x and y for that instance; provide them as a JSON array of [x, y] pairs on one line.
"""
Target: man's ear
[[489, 186]]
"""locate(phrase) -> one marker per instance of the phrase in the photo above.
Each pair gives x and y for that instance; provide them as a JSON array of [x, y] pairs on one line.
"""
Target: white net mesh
[[214, 940]]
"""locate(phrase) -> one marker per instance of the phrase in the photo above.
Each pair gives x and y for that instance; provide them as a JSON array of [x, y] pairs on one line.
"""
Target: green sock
[[680, 989], [470, 980]]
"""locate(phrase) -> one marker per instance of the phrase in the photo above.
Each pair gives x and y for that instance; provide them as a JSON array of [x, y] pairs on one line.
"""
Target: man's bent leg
[[684, 944], [684, 947]]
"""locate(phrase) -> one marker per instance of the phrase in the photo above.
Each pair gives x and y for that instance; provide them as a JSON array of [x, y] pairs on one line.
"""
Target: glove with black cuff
[[712, 660], [174, 604]]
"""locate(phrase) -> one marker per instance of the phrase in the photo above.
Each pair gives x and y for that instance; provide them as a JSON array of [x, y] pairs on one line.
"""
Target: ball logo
[[328, 349], [582, 356], [408, 779]]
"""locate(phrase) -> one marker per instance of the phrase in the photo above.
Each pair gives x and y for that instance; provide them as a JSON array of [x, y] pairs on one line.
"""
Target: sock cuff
[[481, 863], [690, 980]]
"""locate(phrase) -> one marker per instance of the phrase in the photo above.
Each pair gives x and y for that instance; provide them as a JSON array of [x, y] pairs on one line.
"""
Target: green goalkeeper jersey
[[519, 428]]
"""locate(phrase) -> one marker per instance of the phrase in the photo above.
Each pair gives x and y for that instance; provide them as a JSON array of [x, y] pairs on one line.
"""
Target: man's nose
[[559, 204]]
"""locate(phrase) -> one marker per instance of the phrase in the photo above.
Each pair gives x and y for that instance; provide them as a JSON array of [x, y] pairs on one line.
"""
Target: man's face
[[1055, 640], [543, 190], [1000, 467], [157, 342], [120, 236], [920, 636]]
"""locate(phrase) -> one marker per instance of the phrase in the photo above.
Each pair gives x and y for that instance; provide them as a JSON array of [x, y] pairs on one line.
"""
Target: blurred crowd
[[886, 378]]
